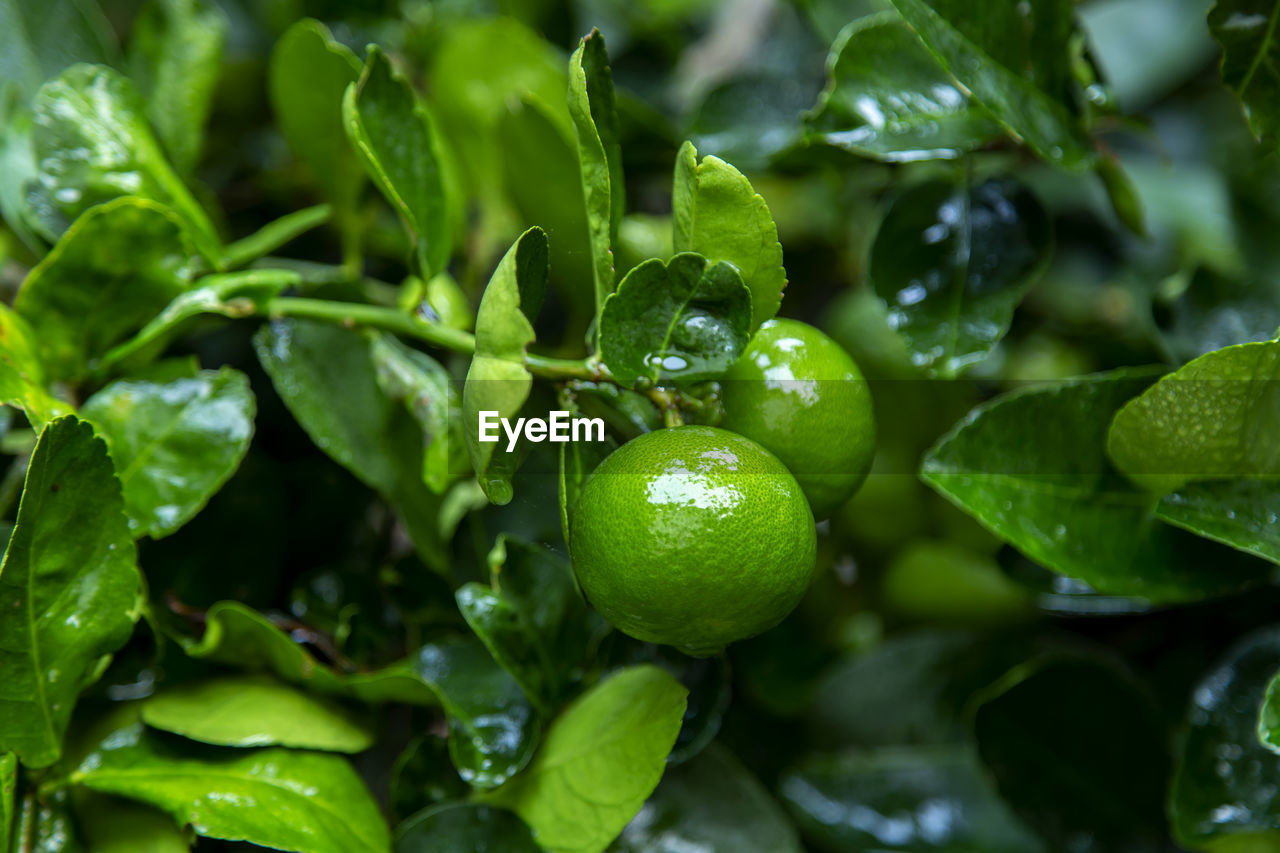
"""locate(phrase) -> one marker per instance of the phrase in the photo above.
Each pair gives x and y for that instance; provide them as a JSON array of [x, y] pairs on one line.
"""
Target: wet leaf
[[953, 262], [176, 435], [685, 319], [1239, 513], [903, 798], [92, 143], [1246, 30], [887, 98], [118, 266], [1031, 466], [451, 827], [601, 759], [717, 214], [492, 728], [69, 587], [249, 711], [1225, 793], [292, 800]]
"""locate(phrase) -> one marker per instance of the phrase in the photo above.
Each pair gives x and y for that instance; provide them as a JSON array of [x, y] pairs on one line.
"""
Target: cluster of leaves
[[264, 585]]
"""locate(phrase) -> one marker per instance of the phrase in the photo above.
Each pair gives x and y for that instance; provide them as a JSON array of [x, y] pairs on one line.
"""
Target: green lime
[[799, 394], [693, 537]]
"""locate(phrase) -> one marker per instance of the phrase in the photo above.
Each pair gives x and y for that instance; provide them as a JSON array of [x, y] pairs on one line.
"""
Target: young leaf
[[114, 269], [255, 711], [1246, 30], [709, 803], [591, 106], [17, 170], [1031, 467], [395, 137], [307, 78], [238, 636], [1215, 418], [497, 379], [1225, 793], [92, 143], [114, 825], [492, 729], [841, 799], [953, 262], [887, 98], [684, 320], [175, 56], [970, 43], [1239, 513], [22, 378], [464, 826], [601, 759], [430, 395], [531, 619], [39, 40], [717, 214], [328, 378], [176, 435], [69, 588], [291, 800]]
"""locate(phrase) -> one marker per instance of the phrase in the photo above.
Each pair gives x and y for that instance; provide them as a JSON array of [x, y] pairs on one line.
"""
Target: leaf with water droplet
[[953, 262], [1034, 459], [1225, 793], [1244, 514], [684, 320]]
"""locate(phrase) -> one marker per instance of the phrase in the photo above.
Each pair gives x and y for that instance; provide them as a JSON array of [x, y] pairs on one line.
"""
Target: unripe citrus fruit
[[693, 537], [799, 394]]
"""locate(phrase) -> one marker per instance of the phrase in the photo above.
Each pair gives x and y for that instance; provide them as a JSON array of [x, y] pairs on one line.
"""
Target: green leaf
[[1269, 717], [238, 636], [847, 801], [255, 711], [275, 234], [709, 803], [39, 40], [685, 319], [428, 392], [394, 135], [69, 587], [1215, 418], [577, 460], [497, 379], [1246, 30], [1078, 750], [1225, 794], [307, 78], [973, 46], [8, 796], [118, 266], [176, 435], [451, 827], [492, 729], [531, 619], [600, 760], [328, 378], [595, 118], [953, 262], [22, 378], [92, 143], [304, 801], [17, 169], [175, 56], [717, 214], [48, 821], [423, 773], [538, 160], [1031, 467], [1239, 513], [114, 825], [886, 98]]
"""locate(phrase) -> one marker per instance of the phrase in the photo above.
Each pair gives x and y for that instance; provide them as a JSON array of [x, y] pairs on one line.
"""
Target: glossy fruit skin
[[799, 394], [693, 537]]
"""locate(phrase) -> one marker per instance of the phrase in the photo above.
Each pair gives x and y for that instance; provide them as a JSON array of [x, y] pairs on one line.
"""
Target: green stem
[[353, 314], [275, 234]]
